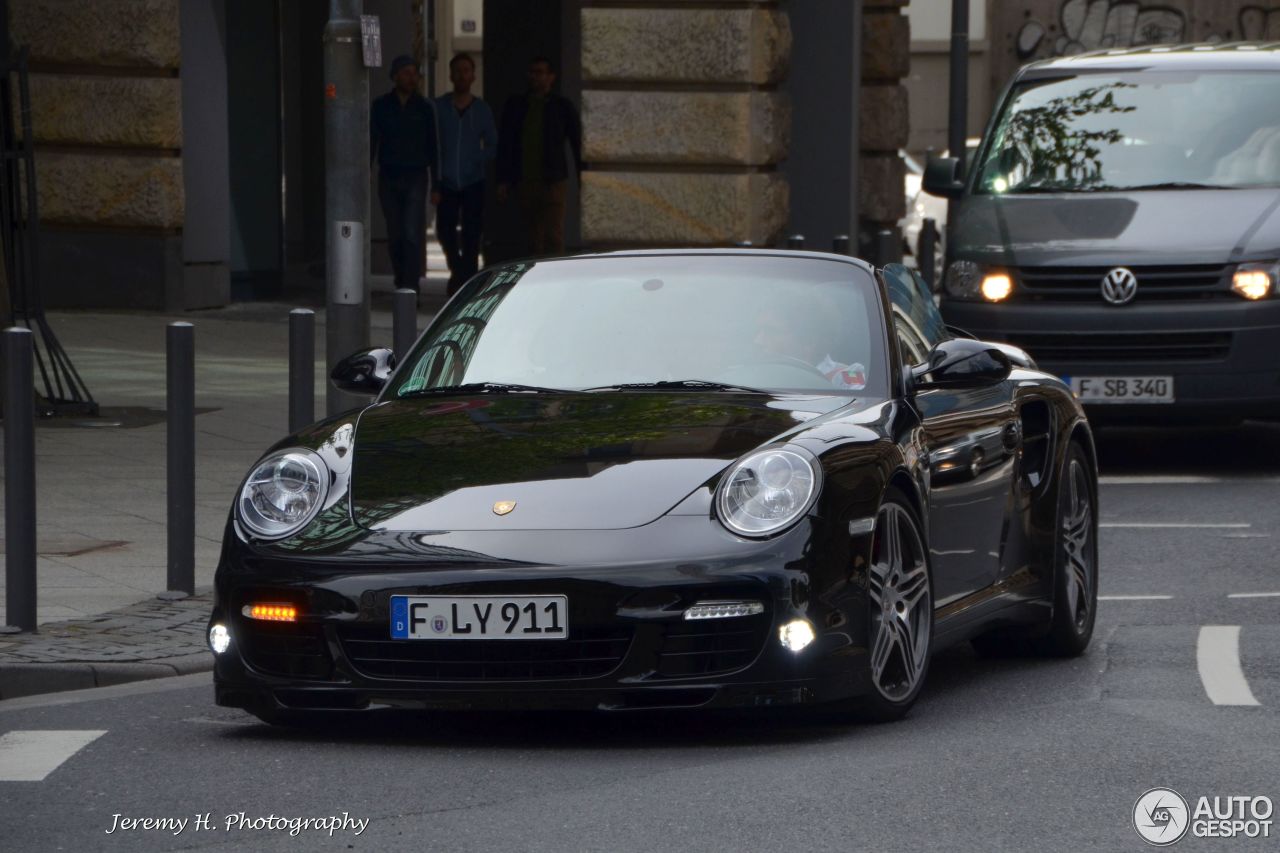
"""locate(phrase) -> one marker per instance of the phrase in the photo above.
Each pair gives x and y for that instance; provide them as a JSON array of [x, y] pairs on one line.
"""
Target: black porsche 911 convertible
[[676, 479]]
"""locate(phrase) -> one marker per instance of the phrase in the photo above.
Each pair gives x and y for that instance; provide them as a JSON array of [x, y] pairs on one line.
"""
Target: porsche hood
[[555, 462]]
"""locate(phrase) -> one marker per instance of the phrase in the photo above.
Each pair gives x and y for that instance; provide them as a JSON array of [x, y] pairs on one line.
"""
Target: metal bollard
[[404, 321], [840, 245], [927, 253], [19, 482], [180, 413], [302, 368], [795, 242]]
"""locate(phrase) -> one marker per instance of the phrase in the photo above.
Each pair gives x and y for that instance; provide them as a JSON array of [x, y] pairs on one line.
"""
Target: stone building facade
[[705, 124]]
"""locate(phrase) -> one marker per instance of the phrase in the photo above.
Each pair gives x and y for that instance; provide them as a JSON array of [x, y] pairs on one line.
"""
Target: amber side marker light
[[271, 612], [1251, 284], [996, 287]]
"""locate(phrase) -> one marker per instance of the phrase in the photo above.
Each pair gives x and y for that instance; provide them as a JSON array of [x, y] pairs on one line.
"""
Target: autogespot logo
[[1161, 817]]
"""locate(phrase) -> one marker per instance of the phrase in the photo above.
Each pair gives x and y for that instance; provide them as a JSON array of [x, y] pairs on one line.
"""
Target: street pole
[[959, 97], [959, 94], [346, 163]]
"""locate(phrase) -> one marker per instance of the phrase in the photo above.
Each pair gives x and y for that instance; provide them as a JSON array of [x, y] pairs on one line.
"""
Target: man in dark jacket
[[404, 137], [468, 141], [531, 157]]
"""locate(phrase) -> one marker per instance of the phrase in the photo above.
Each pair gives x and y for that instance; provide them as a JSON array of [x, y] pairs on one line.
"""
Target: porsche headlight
[[767, 491], [283, 493]]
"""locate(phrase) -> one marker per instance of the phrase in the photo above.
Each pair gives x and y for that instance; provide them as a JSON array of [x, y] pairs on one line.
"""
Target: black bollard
[[404, 321], [887, 247], [302, 368], [927, 253], [19, 482], [840, 245], [795, 242], [180, 413]]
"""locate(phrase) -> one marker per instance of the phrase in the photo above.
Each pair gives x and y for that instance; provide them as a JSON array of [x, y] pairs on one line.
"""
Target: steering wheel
[[752, 369]]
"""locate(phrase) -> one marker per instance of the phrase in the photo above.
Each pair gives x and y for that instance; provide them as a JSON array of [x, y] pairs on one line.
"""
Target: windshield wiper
[[481, 388], [1176, 185], [678, 385]]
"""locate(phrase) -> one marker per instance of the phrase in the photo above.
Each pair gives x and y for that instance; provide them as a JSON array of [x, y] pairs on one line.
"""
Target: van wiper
[[678, 385], [481, 388]]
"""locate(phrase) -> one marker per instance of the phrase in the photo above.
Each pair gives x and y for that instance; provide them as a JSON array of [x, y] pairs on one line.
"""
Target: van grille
[[1053, 347], [1155, 283]]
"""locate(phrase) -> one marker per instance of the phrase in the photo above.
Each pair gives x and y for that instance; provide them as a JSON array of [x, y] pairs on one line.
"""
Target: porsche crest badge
[[503, 507]]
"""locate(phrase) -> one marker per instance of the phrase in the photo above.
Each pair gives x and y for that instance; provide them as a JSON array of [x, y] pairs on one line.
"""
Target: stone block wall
[[883, 120], [107, 122], [683, 123], [106, 110]]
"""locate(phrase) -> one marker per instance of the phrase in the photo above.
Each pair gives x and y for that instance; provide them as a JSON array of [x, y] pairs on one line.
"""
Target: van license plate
[[1122, 389]]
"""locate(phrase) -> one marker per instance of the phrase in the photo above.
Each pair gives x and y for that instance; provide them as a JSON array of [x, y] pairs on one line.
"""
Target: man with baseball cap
[[405, 139]]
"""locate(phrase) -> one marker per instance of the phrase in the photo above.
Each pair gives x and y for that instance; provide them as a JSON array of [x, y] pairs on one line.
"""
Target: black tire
[[896, 681], [1075, 560]]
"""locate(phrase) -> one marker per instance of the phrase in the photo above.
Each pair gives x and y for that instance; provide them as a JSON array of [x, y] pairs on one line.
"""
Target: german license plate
[[479, 617], [1122, 389]]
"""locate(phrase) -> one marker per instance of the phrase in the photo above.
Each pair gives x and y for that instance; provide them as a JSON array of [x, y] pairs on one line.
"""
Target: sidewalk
[[100, 502]]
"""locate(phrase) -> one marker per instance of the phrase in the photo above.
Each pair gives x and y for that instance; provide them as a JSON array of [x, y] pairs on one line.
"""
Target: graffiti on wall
[[1099, 24], [1095, 24]]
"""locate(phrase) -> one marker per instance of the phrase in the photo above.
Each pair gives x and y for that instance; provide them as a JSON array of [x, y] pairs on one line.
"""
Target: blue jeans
[[403, 196]]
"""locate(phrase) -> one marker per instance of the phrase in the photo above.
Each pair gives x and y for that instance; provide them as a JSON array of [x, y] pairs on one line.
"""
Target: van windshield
[[1129, 131]]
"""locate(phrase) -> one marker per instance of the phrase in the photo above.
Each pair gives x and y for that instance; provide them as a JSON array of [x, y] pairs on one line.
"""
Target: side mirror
[[961, 363], [942, 177], [364, 372]]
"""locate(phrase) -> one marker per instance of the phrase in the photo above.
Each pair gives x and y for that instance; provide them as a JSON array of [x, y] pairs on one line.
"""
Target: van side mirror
[[942, 177], [961, 363], [364, 372]]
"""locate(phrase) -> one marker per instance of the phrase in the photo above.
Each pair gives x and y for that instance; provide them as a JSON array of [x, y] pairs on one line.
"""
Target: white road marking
[[1218, 659], [1253, 595], [1134, 597], [1173, 525], [30, 756]]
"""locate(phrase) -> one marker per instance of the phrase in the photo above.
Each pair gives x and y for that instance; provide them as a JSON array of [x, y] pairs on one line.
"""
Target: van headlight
[[767, 491], [969, 280], [1255, 281], [283, 493]]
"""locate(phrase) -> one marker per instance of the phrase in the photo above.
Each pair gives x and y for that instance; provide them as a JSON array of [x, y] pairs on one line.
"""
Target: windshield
[[670, 322], [1148, 130]]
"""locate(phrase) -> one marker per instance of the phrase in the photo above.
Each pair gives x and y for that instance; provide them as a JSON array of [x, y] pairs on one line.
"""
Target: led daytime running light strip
[[723, 609]]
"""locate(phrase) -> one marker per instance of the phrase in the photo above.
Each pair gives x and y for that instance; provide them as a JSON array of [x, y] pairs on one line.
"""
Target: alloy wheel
[[1077, 544], [901, 604]]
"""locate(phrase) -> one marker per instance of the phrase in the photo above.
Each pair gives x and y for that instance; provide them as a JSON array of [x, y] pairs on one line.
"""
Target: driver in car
[[787, 335]]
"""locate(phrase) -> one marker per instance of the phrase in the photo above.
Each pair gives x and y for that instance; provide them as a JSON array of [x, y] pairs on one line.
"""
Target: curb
[[32, 679]]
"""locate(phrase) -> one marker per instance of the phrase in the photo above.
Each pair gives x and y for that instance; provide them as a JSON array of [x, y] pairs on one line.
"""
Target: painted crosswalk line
[[30, 756], [1218, 659]]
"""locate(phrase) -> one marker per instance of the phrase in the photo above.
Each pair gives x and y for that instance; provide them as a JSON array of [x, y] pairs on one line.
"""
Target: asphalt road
[[1011, 754]]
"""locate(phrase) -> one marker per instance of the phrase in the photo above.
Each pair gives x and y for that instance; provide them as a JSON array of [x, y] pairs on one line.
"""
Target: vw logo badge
[[1119, 286]]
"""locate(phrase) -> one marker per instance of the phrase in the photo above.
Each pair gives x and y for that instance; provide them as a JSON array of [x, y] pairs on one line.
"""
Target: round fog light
[[219, 638], [796, 635]]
